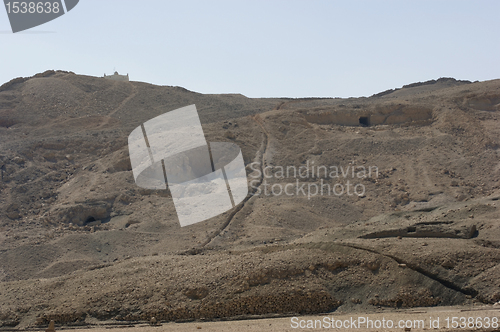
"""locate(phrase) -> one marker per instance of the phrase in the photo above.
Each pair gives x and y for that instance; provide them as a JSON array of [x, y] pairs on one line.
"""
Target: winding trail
[[120, 106], [261, 158]]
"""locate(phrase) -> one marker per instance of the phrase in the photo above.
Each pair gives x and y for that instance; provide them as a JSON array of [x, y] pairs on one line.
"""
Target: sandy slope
[[81, 242]]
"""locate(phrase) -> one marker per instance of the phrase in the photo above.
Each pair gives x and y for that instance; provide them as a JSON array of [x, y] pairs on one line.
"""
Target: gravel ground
[[478, 313]]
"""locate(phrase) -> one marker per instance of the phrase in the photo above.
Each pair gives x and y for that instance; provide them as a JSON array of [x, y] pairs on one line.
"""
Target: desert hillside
[[355, 204]]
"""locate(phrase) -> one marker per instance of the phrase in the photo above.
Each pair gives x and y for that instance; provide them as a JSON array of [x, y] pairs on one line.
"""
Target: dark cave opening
[[364, 121], [89, 220]]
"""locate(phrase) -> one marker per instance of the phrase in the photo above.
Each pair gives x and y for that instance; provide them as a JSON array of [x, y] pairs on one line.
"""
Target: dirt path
[[120, 106], [264, 149]]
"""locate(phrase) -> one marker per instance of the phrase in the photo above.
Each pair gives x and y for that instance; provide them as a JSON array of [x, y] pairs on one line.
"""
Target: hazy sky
[[264, 48]]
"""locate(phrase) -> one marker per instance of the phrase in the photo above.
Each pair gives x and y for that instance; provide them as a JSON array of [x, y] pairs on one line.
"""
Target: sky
[[271, 48]]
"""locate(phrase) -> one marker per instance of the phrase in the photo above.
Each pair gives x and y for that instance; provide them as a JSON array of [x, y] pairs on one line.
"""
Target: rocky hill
[[359, 203]]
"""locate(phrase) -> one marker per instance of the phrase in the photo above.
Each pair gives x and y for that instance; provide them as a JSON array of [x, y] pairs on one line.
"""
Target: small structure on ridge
[[117, 77]]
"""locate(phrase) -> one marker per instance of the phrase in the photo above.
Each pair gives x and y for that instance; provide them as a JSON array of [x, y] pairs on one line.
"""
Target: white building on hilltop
[[117, 77]]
